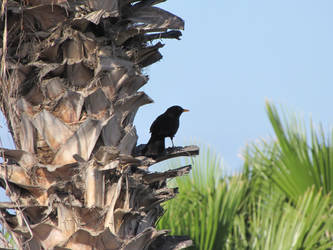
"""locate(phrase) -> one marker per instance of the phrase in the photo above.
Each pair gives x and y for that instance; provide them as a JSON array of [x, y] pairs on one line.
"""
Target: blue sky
[[233, 55]]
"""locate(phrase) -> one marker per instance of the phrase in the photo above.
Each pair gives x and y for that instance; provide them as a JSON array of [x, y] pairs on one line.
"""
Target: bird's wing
[[156, 124], [160, 126]]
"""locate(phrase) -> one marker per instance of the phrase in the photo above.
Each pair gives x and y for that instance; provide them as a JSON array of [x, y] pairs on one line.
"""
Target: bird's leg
[[172, 142]]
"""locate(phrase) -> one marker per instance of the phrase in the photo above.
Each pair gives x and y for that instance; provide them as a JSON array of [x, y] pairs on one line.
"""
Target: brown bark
[[70, 76]]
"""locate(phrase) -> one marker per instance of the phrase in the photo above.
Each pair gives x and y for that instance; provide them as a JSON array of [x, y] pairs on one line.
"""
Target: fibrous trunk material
[[70, 78]]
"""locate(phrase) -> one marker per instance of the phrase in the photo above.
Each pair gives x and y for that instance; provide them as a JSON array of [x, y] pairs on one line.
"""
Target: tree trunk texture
[[70, 75]]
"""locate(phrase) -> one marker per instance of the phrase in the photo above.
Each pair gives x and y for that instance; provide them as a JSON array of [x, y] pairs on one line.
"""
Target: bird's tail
[[154, 147]]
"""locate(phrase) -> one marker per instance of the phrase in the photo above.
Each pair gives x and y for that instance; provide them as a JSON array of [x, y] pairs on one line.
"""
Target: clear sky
[[233, 55]]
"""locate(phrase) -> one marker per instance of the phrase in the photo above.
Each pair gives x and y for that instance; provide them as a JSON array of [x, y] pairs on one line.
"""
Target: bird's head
[[176, 111]]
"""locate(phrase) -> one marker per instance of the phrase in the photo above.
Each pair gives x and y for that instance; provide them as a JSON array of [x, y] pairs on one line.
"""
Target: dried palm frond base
[[108, 202], [70, 75]]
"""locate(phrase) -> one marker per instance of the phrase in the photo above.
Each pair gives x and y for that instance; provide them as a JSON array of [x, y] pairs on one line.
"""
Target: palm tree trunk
[[70, 75]]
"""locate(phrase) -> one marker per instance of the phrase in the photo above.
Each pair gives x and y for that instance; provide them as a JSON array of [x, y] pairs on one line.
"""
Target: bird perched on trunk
[[166, 125]]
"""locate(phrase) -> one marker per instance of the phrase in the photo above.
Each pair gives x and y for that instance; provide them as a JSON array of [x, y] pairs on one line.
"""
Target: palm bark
[[70, 75]]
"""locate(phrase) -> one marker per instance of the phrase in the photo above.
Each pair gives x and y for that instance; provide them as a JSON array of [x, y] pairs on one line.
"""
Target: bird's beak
[[186, 110]]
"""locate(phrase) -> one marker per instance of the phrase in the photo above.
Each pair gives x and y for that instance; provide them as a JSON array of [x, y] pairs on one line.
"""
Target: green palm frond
[[207, 204], [296, 163], [289, 201], [279, 225]]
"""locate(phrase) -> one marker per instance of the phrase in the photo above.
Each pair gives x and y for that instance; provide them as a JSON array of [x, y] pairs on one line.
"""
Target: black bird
[[166, 125]]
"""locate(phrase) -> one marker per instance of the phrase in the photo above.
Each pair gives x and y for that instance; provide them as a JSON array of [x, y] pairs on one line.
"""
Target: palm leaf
[[277, 225], [207, 204], [298, 163]]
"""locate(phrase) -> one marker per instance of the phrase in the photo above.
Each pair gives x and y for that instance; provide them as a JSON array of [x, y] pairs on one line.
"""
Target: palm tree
[[70, 74]]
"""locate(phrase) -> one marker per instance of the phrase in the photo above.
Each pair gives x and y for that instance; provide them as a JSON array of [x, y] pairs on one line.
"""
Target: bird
[[165, 125]]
